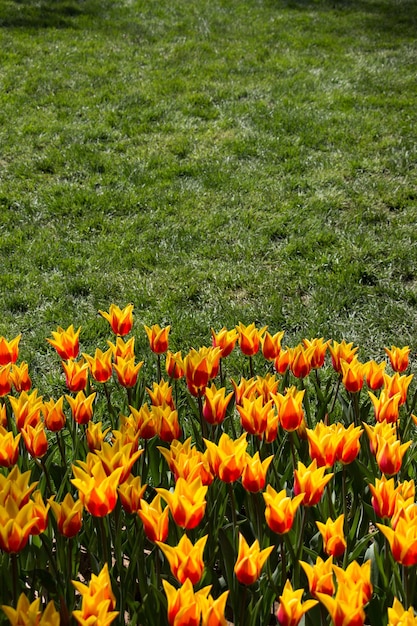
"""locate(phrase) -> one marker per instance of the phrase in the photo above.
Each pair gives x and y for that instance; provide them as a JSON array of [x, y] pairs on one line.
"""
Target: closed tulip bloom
[[155, 520], [271, 345], [174, 365], [320, 349], [200, 367], [158, 338], [101, 366], [26, 408], [9, 350], [291, 608], [120, 320], [40, 512], [20, 377], [323, 443], [145, 420], [184, 605], [320, 576], [187, 462], [97, 491], [53, 413], [266, 386], [95, 435], [355, 579], [249, 338], [94, 612], [66, 342], [245, 388], [227, 458], [187, 502], [225, 340], [122, 349], [82, 407], [68, 515], [384, 496], [212, 611], [254, 473], [290, 408], [185, 559], [282, 362], [76, 375], [161, 394], [384, 431], [254, 415], [215, 404], [334, 542], [3, 415], [130, 493], [389, 456], [9, 448], [402, 540], [343, 610], [5, 380], [399, 616], [311, 482], [397, 384], [169, 426], [127, 371], [35, 439], [29, 613], [280, 509], [97, 600], [349, 444], [16, 486], [16, 524], [250, 561], [301, 360], [386, 407], [341, 352], [398, 357], [352, 375], [374, 374]]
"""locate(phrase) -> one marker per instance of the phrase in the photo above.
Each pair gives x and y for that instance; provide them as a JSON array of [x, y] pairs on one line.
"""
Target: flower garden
[[280, 491]]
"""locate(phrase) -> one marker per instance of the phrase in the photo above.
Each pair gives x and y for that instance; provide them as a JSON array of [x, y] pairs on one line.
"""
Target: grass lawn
[[211, 162]]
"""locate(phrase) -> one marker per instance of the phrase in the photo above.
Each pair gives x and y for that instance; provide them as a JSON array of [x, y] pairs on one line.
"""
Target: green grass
[[211, 162]]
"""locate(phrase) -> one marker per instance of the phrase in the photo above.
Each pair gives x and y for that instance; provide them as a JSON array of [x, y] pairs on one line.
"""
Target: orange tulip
[[354, 579], [29, 613], [255, 414], [398, 358], [97, 491], [344, 609], [352, 375], [374, 374], [244, 389], [187, 502], [145, 421], [185, 559], [161, 394], [215, 404], [120, 320], [76, 375], [5, 380], [116, 455], [389, 456], [225, 340], [174, 365], [3, 415], [341, 352], [320, 576], [320, 348], [291, 609], [9, 448], [227, 458], [16, 486], [66, 342], [68, 515], [381, 431], [397, 384], [301, 360], [130, 493], [266, 386], [290, 408], [334, 542], [280, 509], [158, 338], [311, 482], [254, 473], [399, 616], [16, 524], [26, 408], [95, 435], [249, 338], [212, 611], [169, 426], [200, 368], [100, 364], [54, 415], [123, 349], [35, 440], [155, 520], [184, 605], [97, 599], [20, 378], [40, 512], [127, 371], [187, 462], [384, 496], [250, 561], [9, 350], [82, 407], [349, 445], [323, 443], [402, 540], [386, 408], [282, 362], [271, 345]]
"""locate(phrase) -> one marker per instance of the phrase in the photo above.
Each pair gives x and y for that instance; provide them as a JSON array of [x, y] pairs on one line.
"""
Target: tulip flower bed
[[279, 494]]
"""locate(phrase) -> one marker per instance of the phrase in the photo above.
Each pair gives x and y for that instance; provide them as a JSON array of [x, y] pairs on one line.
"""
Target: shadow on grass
[[397, 17], [47, 13]]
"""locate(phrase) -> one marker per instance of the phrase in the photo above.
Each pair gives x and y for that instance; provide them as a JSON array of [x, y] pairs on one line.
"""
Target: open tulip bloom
[[238, 482]]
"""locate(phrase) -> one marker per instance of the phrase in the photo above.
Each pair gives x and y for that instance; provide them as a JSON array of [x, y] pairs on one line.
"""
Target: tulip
[[386, 408], [123, 349], [16, 486], [323, 443], [290, 408], [185, 559], [81, 407], [310, 481], [169, 426], [320, 576], [68, 515], [225, 340], [397, 384], [334, 542], [356, 579], [381, 431], [398, 358], [35, 440], [54, 415], [301, 360], [280, 509], [154, 519], [249, 338], [116, 455], [184, 605], [158, 338], [271, 345], [130, 493], [3, 416], [384, 496], [349, 445], [127, 371], [187, 502], [95, 435], [250, 561], [389, 456], [402, 540], [146, 421], [97, 599], [212, 611], [29, 613], [255, 414], [20, 378], [161, 394], [244, 389], [187, 462], [5, 380], [266, 386], [215, 404], [9, 448], [26, 408], [120, 320], [254, 473], [66, 342], [320, 348], [9, 350], [40, 512], [341, 352], [97, 491], [282, 362], [398, 616], [344, 611], [291, 609], [100, 365], [16, 524], [76, 375], [174, 365], [227, 458], [374, 374], [201, 367], [352, 375]]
